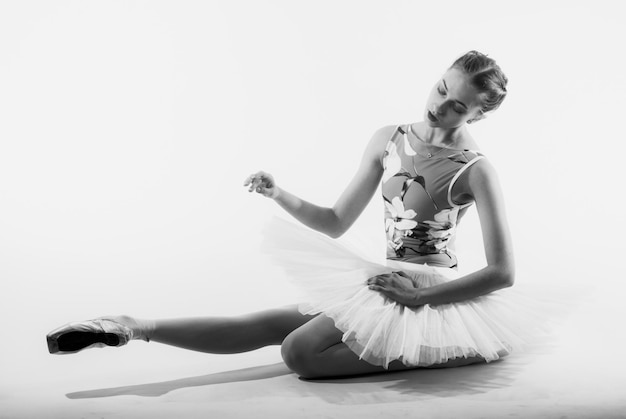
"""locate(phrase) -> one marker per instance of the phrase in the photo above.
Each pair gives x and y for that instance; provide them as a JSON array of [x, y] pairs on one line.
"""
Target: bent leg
[[315, 350], [223, 335]]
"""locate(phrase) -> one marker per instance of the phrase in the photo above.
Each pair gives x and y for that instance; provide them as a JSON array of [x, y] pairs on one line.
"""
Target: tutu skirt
[[331, 280]]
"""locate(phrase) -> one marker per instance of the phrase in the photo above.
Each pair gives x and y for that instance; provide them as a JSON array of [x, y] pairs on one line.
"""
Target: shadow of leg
[[159, 389]]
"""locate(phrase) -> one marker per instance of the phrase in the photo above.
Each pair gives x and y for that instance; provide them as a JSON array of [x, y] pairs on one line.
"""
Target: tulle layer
[[330, 279]]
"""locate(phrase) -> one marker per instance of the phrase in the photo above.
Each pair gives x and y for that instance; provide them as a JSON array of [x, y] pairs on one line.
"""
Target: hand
[[262, 183], [397, 286]]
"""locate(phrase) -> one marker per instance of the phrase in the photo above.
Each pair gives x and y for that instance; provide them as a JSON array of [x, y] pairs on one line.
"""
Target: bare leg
[[315, 350], [222, 335]]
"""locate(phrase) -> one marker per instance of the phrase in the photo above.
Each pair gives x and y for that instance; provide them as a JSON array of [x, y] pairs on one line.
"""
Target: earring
[[469, 121]]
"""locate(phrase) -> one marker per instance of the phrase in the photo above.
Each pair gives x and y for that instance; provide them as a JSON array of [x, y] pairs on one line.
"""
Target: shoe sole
[[75, 341]]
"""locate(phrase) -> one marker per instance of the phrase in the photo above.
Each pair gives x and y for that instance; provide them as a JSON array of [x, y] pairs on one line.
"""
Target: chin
[[432, 123]]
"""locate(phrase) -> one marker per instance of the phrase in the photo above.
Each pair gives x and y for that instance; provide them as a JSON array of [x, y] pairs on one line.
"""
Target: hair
[[486, 76]]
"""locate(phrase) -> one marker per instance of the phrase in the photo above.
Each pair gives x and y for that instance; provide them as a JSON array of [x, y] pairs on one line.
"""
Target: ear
[[480, 115]]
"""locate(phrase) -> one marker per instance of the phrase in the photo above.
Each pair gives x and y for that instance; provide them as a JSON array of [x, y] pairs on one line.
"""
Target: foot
[[140, 328], [97, 333]]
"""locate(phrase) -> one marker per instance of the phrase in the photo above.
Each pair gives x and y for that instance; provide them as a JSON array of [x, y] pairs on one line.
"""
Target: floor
[[570, 376]]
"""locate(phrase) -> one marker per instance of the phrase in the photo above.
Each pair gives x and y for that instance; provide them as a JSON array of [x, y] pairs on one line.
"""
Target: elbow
[[506, 278], [335, 227], [335, 233], [501, 277]]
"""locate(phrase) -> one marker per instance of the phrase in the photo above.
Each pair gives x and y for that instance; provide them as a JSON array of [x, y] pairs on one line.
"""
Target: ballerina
[[357, 316]]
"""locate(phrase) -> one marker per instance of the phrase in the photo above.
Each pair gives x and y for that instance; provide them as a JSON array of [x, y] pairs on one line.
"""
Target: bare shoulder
[[482, 171], [378, 143], [482, 178], [478, 181], [384, 133]]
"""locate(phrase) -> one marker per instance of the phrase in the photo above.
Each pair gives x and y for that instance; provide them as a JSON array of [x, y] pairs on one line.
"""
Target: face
[[452, 101]]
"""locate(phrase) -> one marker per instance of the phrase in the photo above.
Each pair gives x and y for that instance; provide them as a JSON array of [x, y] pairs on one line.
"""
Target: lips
[[432, 117]]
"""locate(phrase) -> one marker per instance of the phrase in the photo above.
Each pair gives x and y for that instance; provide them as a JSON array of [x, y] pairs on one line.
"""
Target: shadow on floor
[[390, 387], [164, 387]]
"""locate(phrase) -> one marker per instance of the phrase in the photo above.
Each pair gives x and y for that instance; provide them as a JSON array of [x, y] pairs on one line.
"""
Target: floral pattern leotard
[[420, 216]]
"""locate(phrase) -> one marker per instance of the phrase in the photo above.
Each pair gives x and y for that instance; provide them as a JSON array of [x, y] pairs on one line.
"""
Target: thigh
[[319, 342], [279, 322], [315, 336], [316, 350]]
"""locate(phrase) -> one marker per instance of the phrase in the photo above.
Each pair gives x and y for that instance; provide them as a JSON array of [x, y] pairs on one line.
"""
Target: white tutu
[[331, 280]]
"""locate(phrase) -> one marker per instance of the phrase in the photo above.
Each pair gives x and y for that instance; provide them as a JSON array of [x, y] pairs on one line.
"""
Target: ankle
[[146, 329], [142, 329]]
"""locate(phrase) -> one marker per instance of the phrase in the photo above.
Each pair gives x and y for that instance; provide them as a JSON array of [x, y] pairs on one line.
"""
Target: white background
[[128, 127]]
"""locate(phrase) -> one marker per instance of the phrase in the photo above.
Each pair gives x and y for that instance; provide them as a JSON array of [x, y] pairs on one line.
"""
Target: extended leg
[[205, 334], [223, 335]]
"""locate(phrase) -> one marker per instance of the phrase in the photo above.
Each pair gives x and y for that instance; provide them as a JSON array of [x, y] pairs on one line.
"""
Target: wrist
[[275, 193], [417, 298]]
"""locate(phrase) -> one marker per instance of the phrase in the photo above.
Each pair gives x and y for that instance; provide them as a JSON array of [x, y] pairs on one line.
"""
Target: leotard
[[420, 220], [420, 214]]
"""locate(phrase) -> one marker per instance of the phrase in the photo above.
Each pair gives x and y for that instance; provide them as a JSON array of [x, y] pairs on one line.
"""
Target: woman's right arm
[[336, 220]]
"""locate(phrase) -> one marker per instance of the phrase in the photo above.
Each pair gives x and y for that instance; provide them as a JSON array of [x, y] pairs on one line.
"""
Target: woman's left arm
[[481, 183]]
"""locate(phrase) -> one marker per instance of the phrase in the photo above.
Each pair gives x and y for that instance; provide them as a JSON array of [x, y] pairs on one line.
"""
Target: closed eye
[[458, 109]]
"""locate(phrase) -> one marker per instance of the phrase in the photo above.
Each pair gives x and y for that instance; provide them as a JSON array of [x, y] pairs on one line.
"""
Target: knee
[[298, 356]]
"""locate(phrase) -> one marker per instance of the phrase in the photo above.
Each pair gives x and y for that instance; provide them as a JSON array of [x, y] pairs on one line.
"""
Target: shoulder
[[476, 180], [482, 178], [379, 141], [382, 135], [481, 170]]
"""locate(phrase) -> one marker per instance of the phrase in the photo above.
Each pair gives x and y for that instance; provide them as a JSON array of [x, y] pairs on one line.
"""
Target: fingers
[[388, 284], [381, 283], [386, 279], [395, 286], [379, 280], [386, 292], [254, 177], [259, 182], [255, 185]]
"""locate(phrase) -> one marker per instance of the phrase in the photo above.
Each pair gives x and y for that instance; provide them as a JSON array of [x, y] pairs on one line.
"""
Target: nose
[[439, 109]]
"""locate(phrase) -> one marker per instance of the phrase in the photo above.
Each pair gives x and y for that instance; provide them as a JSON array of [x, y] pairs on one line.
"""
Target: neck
[[443, 137], [446, 137]]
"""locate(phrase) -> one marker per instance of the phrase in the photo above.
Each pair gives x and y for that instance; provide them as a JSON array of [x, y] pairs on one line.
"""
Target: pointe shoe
[[97, 333]]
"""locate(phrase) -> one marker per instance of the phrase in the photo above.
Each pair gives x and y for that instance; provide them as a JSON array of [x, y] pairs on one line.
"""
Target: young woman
[[356, 316]]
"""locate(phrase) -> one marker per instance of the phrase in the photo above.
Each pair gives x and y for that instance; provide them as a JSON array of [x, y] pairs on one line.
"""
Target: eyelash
[[443, 93]]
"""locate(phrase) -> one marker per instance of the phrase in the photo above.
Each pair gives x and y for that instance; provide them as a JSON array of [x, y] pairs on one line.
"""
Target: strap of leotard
[[456, 177], [397, 130]]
